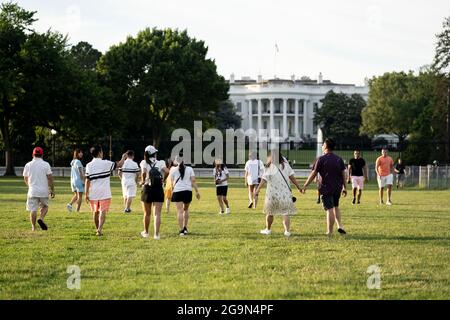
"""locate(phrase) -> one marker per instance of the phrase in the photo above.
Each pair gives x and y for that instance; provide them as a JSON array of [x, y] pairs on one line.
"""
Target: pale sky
[[345, 40]]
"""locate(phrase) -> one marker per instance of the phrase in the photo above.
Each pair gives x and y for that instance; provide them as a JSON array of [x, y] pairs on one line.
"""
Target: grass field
[[225, 257]]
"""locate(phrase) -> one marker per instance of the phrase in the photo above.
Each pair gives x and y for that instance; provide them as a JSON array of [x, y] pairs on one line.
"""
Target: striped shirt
[[99, 171]]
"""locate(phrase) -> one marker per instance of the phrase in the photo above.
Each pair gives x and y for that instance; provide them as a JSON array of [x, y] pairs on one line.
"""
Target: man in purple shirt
[[332, 171]]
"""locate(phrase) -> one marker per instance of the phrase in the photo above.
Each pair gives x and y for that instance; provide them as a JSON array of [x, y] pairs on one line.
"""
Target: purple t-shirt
[[330, 167]]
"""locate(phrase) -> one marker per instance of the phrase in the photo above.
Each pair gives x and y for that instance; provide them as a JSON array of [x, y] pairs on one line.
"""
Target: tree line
[[412, 106], [139, 89]]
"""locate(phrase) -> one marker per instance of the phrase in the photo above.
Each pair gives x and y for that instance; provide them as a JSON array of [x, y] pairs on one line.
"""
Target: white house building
[[285, 105]]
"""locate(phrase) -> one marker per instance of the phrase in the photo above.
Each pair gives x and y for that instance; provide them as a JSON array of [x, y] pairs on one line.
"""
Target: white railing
[[429, 177]]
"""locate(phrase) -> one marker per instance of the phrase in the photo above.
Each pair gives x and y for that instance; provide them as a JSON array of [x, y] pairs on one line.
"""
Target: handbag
[[294, 199]]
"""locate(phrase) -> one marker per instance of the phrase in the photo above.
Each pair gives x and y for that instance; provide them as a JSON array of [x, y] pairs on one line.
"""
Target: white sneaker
[[144, 234], [227, 211], [389, 203], [287, 234], [221, 212], [266, 232], [69, 207], [155, 237]]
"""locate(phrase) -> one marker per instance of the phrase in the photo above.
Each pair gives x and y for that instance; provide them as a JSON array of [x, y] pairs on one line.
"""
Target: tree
[[15, 23], [41, 85], [85, 55], [393, 106], [340, 116], [164, 81], [442, 55], [226, 117], [441, 65]]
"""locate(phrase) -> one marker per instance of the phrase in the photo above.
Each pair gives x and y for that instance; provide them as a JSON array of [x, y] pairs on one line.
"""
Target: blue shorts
[[77, 186]]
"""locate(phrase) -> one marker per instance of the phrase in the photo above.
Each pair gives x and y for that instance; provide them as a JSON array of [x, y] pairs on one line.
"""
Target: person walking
[[384, 167], [400, 171], [183, 181], [152, 195], [77, 178], [221, 176], [98, 186], [279, 200], [357, 175], [129, 177], [38, 178], [254, 169], [333, 176]]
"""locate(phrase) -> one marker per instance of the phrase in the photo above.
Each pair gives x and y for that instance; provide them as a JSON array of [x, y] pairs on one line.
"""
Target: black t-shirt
[[357, 166], [400, 168]]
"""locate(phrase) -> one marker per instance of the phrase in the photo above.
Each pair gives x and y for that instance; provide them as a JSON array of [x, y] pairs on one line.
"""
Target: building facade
[[284, 105]]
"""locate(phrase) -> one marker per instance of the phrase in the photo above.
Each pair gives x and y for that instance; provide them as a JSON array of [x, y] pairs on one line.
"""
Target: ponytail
[[182, 169]]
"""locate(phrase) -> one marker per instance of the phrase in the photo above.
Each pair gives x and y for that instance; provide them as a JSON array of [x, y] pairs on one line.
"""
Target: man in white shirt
[[129, 175], [98, 188], [254, 169], [38, 177]]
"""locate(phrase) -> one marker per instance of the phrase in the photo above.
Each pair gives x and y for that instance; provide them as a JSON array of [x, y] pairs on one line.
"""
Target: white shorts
[[357, 182], [36, 203], [129, 191], [385, 181]]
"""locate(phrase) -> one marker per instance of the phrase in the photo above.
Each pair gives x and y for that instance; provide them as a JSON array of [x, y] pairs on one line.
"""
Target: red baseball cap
[[38, 151]]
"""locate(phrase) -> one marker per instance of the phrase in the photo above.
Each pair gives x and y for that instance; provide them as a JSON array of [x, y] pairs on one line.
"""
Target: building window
[[301, 106], [265, 125], [278, 106], [316, 105], [291, 129], [239, 107], [265, 106]]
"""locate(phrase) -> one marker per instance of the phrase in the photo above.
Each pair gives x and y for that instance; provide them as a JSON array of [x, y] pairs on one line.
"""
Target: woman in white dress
[[279, 200]]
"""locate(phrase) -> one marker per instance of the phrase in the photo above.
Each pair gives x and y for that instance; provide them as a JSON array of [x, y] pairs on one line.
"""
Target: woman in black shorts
[[221, 175], [152, 195], [183, 180]]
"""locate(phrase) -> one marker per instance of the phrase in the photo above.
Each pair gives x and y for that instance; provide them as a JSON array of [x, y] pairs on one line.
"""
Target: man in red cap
[[38, 177]]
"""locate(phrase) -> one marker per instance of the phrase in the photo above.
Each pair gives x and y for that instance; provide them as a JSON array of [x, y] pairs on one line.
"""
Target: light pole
[[53, 132]]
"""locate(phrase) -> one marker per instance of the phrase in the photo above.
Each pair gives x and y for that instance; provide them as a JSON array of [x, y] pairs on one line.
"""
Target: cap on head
[[151, 150], [38, 151]]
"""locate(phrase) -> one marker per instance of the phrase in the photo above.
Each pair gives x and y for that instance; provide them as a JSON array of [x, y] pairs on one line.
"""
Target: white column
[[305, 117], [296, 120], [260, 126], [285, 124], [272, 119], [250, 114]]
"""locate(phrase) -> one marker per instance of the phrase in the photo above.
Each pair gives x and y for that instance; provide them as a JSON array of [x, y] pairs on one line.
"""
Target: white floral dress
[[278, 199]]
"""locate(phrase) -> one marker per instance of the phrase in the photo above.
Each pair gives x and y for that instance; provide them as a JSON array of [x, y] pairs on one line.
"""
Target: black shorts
[[222, 191], [151, 194], [182, 196], [331, 201]]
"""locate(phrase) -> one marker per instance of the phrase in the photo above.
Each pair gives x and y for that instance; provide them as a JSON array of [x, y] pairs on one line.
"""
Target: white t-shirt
[[272, 170], [251, 167], [37, 171], [129, 171], [98, 172], [184, 184], [145, 168], [221, 175]]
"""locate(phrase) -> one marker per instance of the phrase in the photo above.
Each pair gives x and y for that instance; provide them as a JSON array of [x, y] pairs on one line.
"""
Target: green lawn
[[225, 257]]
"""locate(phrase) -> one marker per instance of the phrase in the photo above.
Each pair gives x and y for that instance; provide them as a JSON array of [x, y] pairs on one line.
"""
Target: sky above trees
[[345, 40]]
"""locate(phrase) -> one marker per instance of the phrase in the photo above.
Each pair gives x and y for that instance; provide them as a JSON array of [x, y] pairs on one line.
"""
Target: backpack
[[155, 176]]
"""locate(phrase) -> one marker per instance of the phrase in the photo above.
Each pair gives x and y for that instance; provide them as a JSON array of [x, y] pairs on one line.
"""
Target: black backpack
[[155, 176]]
